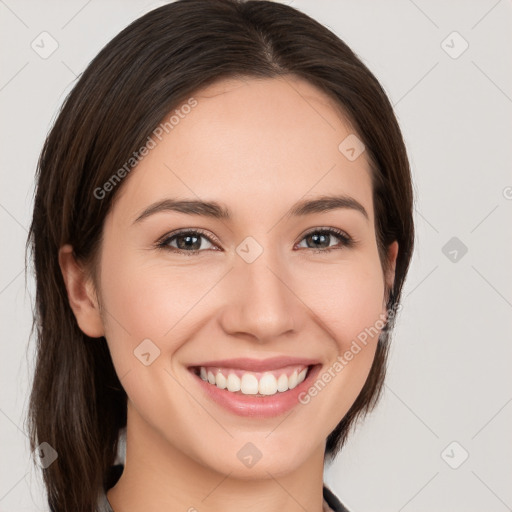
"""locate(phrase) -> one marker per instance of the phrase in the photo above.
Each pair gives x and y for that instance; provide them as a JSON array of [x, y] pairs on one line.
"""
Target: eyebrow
[[216, 210]]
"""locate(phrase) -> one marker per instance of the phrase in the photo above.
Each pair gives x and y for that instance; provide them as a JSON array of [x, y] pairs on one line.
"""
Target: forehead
[[257, 145]]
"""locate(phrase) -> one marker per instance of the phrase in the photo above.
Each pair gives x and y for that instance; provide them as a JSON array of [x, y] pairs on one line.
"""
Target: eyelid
[[211, 238], [339, 232]]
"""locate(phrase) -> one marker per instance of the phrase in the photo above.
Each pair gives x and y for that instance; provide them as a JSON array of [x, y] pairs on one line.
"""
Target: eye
[[187, 242], [320, 236]]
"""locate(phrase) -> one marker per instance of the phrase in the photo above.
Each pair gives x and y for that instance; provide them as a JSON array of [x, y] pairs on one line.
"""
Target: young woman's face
[[256, 286]]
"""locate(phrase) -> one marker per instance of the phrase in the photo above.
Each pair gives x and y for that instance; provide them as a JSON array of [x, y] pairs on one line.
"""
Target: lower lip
[[258, 406]]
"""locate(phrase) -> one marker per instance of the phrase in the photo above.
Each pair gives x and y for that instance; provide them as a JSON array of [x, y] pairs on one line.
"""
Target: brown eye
[[319, 239], [186, 242]]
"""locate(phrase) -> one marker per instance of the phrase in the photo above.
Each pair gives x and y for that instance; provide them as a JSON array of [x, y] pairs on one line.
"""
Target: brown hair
[[77, 404]]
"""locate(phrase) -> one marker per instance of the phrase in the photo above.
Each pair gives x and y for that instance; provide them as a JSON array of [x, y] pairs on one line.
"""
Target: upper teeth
[[250, 383]]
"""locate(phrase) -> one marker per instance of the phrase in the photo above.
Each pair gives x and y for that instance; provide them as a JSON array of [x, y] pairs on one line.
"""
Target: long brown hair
[[77, 403]]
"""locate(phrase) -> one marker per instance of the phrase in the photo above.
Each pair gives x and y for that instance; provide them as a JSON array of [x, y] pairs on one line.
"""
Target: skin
[[257, 146]]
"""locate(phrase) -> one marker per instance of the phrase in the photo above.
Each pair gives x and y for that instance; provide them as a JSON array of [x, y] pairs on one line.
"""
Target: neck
[[159, 476]]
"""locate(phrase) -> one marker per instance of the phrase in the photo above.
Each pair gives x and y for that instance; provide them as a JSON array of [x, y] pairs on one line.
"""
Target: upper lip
[[258, 365]]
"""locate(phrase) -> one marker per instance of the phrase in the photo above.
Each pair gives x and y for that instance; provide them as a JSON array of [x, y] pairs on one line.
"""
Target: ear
[[81, 294], [392, 254]]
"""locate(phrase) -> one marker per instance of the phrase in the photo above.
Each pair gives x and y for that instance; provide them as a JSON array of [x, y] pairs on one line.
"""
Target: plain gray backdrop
[[440, 437]]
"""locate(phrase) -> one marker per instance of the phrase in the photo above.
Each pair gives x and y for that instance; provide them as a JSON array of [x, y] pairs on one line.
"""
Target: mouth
[[242, 382], [255, 388]]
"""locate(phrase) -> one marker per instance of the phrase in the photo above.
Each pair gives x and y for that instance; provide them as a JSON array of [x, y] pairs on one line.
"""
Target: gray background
[[449, 371]]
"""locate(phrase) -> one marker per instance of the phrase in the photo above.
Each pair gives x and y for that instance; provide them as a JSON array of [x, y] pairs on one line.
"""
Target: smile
[[254, 383], [255, 388]]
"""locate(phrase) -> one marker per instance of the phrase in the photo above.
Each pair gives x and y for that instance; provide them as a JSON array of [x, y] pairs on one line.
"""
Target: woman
[[222, 228]]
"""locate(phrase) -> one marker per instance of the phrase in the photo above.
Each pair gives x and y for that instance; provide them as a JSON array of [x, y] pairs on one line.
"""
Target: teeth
[[282, 383], [221, 381], [292, 381], [233, 382], [267, 385], [249, 384]]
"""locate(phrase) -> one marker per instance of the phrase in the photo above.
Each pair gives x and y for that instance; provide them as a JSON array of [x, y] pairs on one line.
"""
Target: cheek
[[148, 301], [347, 297], [149, 298]]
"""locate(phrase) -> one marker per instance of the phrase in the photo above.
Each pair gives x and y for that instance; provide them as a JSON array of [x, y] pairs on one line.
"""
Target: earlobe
[[81, 296]]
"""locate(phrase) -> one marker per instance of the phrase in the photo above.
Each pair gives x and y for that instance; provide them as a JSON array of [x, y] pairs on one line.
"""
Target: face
[[267, 292]]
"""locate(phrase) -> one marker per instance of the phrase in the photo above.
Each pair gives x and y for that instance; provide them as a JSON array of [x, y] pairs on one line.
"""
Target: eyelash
[[346, 239]]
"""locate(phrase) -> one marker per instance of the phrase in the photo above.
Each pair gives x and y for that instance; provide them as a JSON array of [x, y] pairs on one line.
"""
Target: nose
[[261, 304]]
